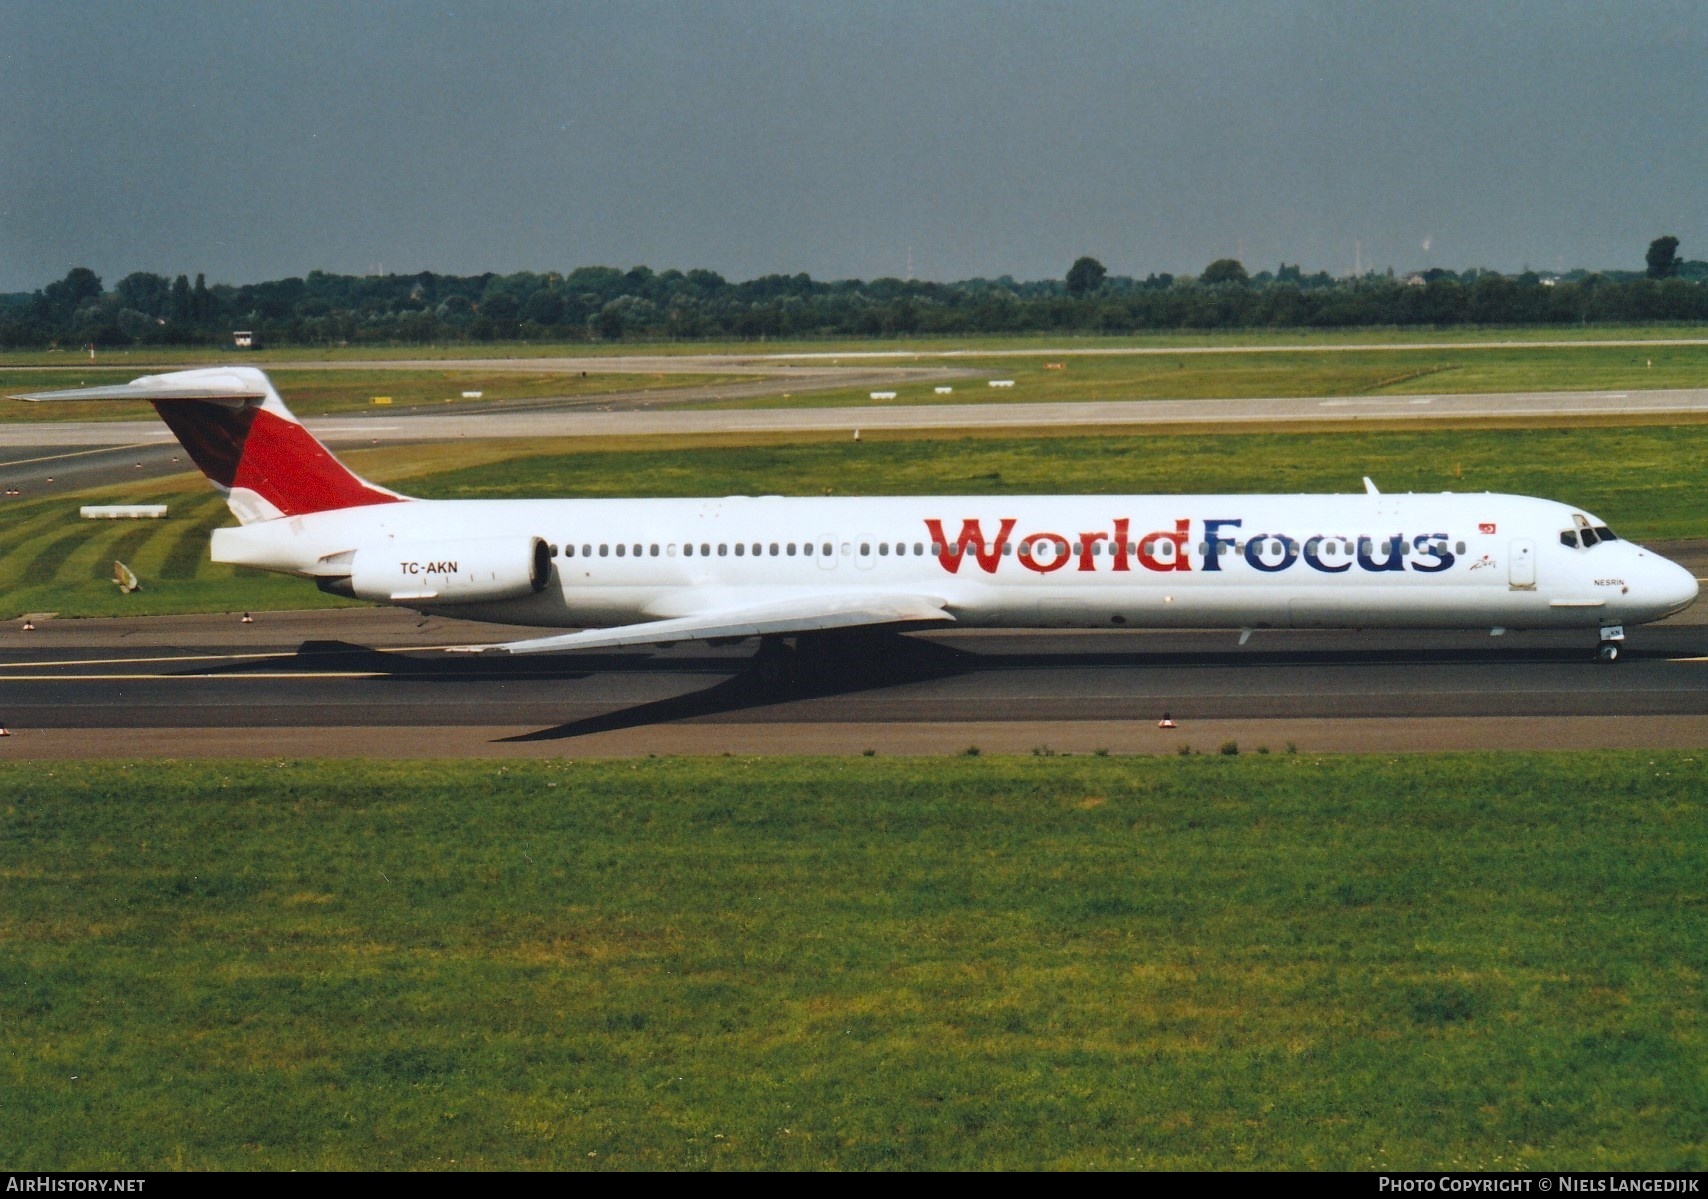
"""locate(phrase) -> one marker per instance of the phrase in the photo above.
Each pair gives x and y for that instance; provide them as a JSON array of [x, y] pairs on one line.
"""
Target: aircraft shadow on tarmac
[[831, 665]]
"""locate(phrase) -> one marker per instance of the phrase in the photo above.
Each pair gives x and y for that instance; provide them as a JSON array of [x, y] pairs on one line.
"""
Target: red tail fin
[[244, 439]]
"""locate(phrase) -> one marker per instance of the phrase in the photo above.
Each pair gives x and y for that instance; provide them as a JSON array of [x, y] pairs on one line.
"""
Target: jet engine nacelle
[[455, 572]]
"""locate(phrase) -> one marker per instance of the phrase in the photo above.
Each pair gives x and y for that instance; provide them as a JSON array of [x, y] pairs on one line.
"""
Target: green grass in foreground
[[1478, 962], [1647, 481]]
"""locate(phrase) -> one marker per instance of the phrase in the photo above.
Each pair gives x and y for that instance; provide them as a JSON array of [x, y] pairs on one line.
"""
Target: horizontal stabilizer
[[210, 385], [806, 615]]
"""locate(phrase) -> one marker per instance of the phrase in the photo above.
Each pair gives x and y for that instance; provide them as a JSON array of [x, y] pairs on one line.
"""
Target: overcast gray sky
[[256, 140]]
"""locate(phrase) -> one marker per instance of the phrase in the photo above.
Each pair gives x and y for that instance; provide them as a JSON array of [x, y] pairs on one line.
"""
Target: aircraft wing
[[807, 614]]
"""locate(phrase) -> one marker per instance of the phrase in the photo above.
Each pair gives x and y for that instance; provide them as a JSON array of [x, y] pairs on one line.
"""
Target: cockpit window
[[1589, 538], [1569, 538], [1605, 533]]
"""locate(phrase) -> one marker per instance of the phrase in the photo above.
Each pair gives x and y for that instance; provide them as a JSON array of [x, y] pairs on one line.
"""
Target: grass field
[[321, 392], [1647, 481], [1457, 962], [171, 357], [1472, 369], [1196, 376], [1475, 367]]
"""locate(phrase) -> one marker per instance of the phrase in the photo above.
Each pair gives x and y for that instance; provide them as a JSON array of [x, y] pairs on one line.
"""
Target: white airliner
[[655, 571]]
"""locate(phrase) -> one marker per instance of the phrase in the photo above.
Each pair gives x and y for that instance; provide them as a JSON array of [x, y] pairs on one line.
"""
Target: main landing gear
[[1612, 641]]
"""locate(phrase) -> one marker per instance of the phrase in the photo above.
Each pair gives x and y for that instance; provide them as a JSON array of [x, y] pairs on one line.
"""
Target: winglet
[[1369, 487]]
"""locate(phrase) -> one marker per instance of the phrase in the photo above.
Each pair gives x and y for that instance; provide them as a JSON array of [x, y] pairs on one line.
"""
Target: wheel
[[1609, 651]]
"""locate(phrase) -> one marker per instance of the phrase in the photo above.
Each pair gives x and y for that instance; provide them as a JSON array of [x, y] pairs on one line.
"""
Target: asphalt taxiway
[[377, 683]]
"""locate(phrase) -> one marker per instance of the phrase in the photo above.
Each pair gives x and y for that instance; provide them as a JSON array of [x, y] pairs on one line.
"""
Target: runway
[[370, 683]]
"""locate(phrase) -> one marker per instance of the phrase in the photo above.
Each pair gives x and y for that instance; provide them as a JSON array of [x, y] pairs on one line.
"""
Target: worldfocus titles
[[1176, 549]]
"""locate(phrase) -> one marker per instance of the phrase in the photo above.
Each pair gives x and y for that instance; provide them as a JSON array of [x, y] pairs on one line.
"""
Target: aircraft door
[[1521, 566], [826, 554]]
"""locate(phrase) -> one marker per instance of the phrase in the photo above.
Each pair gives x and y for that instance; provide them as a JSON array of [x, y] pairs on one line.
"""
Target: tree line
[[605, 304]]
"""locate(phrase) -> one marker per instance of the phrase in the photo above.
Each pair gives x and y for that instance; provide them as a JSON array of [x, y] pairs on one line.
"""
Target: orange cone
[[247, 619], [29, 626], [1165, 722], [4, 731]]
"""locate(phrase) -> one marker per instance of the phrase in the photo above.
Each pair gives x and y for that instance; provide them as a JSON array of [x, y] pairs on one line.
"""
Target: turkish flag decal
[[1486, 527]]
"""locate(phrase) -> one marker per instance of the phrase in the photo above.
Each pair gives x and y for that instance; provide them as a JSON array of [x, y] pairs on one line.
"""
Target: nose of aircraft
[[1668, 586]]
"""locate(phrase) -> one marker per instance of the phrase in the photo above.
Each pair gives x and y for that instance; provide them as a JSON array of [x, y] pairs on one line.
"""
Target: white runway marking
[[143, 661], [233, 657], [106, 449], [201, 678]]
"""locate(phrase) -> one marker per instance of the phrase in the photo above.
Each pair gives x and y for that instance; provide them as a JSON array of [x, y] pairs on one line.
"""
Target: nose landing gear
[[1612, 641]]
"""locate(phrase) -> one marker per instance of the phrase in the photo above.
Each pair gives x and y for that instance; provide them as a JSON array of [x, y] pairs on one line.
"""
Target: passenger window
[[569, 551], [1007, 549], [688, 549], [705, 550], [620, 550], [773, 549], [829, 549], [865, 549], [1459, 547], [670, 550], [791, 549], [586, 551], [1569, 539], [604, 550], [740, 549], [937, 548], [723, 549], [884, 548], [806, 548], [654, 550]]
